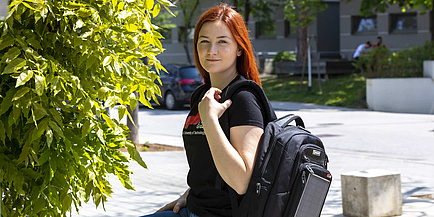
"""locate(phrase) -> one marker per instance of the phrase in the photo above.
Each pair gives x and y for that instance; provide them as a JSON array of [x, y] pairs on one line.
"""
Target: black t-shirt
[[205, 198]]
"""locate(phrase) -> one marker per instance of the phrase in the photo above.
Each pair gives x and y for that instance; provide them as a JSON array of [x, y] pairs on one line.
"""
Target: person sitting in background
[[362, 49], [379, 43]]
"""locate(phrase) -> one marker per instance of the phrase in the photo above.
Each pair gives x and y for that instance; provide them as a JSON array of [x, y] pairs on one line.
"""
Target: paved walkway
[[354, 140]]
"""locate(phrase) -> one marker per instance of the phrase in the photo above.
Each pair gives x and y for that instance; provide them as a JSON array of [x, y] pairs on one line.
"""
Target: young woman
[[223, 54]]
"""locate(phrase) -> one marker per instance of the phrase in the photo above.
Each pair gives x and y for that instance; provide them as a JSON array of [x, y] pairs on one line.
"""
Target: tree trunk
[[301, 43], [247, 9], [302, 50], [187, 53], [134, 129]]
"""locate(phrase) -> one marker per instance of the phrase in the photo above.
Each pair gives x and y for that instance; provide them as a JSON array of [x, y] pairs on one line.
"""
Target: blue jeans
[[184, 212]]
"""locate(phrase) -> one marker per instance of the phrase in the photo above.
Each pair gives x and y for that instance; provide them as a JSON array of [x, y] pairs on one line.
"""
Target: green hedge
[[383, 63]]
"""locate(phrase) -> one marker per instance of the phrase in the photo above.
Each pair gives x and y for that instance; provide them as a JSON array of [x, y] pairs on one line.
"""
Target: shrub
[[284, 56], [382, 63]]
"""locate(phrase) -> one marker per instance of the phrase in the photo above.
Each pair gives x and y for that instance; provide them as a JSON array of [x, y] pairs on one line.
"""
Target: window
[[265, 29], [290, 31], [364, 25], [401, 23]]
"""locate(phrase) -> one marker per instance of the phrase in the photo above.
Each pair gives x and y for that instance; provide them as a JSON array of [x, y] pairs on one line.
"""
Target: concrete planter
[[288, 67], [428, 69], [407, 95]]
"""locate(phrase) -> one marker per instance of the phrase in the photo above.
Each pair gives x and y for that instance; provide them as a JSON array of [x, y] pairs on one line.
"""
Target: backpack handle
[[286, 120]]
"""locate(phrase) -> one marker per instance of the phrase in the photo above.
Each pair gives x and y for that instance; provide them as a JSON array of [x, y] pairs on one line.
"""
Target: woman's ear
[[239, 52]]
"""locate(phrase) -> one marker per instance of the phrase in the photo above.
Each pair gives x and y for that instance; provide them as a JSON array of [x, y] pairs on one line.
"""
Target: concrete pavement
[[354, 140]]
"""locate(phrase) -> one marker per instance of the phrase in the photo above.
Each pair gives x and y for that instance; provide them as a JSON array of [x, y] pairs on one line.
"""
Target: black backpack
[[290, 176]]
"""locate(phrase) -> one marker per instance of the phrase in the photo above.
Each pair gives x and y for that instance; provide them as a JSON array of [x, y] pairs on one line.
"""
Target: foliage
[[164, 22], [346, 90], [303, 13], [63, 63], [284, 56], [371, 7], [260, 9], [189, 11], [382, 63]]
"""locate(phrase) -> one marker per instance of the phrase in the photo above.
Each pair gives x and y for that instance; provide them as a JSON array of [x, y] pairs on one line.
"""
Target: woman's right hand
[[176, 205]]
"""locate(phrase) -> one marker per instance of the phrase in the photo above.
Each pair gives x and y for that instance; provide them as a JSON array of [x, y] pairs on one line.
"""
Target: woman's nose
[[212, 49]]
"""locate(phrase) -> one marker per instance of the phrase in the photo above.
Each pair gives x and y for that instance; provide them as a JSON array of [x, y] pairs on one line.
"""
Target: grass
[[345, 90]]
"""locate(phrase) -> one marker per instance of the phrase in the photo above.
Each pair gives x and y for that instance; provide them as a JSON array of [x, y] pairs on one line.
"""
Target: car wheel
[[171, 102]]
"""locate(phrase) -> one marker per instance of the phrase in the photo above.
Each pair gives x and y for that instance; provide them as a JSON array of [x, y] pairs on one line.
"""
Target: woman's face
[[217, 48]]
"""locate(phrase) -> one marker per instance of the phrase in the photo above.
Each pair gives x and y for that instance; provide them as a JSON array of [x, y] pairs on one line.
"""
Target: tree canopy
[[63, 63], [370, 7]]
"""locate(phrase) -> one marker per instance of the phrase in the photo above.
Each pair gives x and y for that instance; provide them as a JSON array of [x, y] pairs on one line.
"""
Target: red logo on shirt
[[192, 120]]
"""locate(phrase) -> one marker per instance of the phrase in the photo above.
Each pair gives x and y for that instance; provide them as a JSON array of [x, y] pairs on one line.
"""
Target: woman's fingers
[[167, 207], [213, 93], [210, 107], [181, 203]]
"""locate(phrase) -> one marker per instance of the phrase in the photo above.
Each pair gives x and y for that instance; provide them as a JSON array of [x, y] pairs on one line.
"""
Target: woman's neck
[[221, 80]]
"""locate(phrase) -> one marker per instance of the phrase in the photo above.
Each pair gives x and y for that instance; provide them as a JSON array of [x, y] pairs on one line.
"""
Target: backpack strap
[[270, 115], [198, 94], [259, 92], [284, 121]]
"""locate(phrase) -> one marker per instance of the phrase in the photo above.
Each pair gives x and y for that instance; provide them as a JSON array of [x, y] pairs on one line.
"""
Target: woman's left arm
[[234, 159]]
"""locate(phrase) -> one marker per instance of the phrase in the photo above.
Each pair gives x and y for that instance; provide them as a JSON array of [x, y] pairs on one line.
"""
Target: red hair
[[246, 64]]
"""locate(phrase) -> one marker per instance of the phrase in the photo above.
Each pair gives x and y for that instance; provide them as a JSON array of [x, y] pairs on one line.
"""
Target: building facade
[[335, 35]]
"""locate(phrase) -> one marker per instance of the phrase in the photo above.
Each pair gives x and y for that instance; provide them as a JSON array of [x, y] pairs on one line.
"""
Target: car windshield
[[189, 73]]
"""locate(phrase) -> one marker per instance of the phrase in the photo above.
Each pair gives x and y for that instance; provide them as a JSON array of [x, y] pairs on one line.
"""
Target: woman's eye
[[223, 42], [204, 41]]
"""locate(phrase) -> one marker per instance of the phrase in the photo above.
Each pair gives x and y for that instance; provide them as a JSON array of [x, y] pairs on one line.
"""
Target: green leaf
[[49, 135], [156, 10], [7, 101], [167, 3], [15, 65], [2, 131], [39, 85], [6, 42], [134, 154], [42, 127], [109, 122], [121, 111], [111, 101], [90, 61], [55, 114], [45, 156], [24, 152], [100, 134], [87, 105], [39, 205], [20, 93], [107, 60], [24, 77], [125, 180], [12, 53], [39, 110], [149, 4], [34, 43], [56, 128], [86, 128], [66, 202], [102, 93], [27, 5]]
